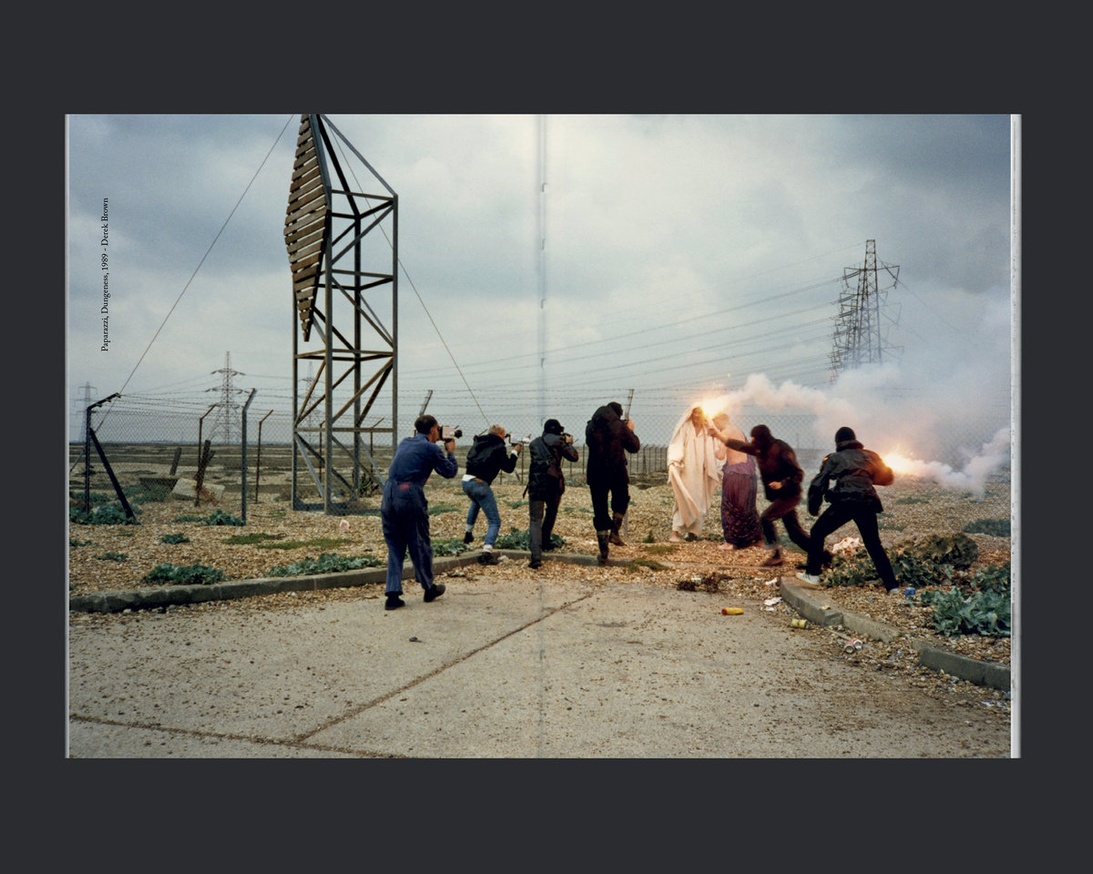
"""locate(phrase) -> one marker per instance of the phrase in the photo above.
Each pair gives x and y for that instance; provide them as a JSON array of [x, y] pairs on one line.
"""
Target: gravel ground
[[117, 557]]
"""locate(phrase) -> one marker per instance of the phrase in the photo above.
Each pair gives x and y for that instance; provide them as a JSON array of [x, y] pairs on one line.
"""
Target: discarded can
[[799, 623], [731, 611], [852, 646], [909, 591]]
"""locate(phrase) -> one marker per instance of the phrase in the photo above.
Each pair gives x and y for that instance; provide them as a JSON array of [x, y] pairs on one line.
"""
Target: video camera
[[447, 432], [567, 438], [518, 441]]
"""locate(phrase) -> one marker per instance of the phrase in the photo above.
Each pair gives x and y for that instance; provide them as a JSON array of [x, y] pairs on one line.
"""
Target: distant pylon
[[857, 337], [223, 428]]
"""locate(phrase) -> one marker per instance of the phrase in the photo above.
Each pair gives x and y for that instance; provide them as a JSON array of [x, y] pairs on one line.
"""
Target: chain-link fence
[[136, 449]]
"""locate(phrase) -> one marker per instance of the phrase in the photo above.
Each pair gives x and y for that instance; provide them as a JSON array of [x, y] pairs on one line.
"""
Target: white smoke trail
[[899, 425]]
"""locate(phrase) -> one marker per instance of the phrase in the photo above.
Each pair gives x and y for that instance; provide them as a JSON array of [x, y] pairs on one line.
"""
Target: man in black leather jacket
[[854, 471]]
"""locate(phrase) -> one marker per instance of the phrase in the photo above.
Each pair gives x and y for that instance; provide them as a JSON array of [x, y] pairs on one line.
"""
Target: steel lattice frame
[[332, 230]]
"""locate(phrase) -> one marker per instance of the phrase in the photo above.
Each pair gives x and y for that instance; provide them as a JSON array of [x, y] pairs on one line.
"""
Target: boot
[[775, 558], [616, 524], [602, 537]]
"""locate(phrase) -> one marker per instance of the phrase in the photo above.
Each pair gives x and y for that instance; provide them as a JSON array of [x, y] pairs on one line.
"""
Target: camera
[[567, 438], [518, 441], [447, 432]]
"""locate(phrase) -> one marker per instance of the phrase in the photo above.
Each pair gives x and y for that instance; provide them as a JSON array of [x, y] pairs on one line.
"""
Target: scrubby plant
[[517, 539], [107, 514], [928, 561], [437, 509], [958, 550], [992, 527], [113, 556], [219, 517], [255, 538], [449, 546], [321, 543], [980, 612], [326, 563], [178, 575], [174, 538]]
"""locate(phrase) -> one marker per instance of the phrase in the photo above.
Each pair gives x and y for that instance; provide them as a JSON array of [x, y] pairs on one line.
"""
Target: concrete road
[[565, 666]]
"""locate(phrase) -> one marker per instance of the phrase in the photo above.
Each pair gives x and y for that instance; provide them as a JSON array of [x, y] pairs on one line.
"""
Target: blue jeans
[[482, 498]]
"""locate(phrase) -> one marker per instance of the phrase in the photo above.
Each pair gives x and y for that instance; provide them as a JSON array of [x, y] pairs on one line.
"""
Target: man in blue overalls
[[404, 509]]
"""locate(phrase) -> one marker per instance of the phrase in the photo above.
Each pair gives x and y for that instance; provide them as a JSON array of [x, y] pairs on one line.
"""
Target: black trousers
[[542, 513], [832, 519], [608, 496], [786, 510]]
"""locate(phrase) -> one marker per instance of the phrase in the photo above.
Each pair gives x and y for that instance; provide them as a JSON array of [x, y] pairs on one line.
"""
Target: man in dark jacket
[[404, 509], [781, 476], [854, 470], [487, 457], [608, 438], [546, 482]]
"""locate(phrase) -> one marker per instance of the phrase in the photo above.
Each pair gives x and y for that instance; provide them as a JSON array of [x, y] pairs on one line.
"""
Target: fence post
[[243, 457], [258, 458]]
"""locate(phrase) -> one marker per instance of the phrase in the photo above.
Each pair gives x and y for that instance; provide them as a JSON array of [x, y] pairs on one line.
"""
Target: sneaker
[[435, 592], [535, 564], [468, 537], [811, 579], [895, 591], [394, 602], [488, 558], [548, 546]]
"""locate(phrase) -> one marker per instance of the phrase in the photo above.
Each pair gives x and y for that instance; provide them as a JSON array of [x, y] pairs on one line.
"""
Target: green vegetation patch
[[178, 575], [313, 543], [113, 556], [326, 563], [993, 527], [178, 537], [253, 539], [107, 514], [449, 546], [219, 517]]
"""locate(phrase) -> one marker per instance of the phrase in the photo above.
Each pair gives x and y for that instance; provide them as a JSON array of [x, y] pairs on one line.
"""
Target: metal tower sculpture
[[343, 253], [857, 336]]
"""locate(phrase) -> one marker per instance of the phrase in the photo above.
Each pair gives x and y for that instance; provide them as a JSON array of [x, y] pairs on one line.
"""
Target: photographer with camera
[[546, 483], [404, 509], [487, 457]]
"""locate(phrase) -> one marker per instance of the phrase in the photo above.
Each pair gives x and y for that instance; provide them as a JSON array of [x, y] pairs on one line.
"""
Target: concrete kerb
[[806, 602], [810, 605], [166, 596]]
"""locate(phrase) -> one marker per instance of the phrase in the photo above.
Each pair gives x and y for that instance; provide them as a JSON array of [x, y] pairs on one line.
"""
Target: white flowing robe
[[694, 472]]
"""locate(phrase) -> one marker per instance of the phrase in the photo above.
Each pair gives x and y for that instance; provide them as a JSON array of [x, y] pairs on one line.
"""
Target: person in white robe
[[694, 472]]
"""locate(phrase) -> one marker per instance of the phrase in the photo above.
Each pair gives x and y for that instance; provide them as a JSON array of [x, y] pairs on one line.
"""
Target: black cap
[[845, 434], [553, 426]]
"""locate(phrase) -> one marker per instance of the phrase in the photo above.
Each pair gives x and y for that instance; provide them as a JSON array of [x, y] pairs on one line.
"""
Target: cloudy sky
[[549, 264]]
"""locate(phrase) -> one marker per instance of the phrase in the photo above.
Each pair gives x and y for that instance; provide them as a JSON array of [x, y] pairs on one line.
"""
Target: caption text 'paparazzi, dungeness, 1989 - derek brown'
[[105, 269]]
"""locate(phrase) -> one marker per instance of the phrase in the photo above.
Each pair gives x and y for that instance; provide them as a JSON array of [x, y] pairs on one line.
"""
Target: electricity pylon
[[222, 429], [858, 338]]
